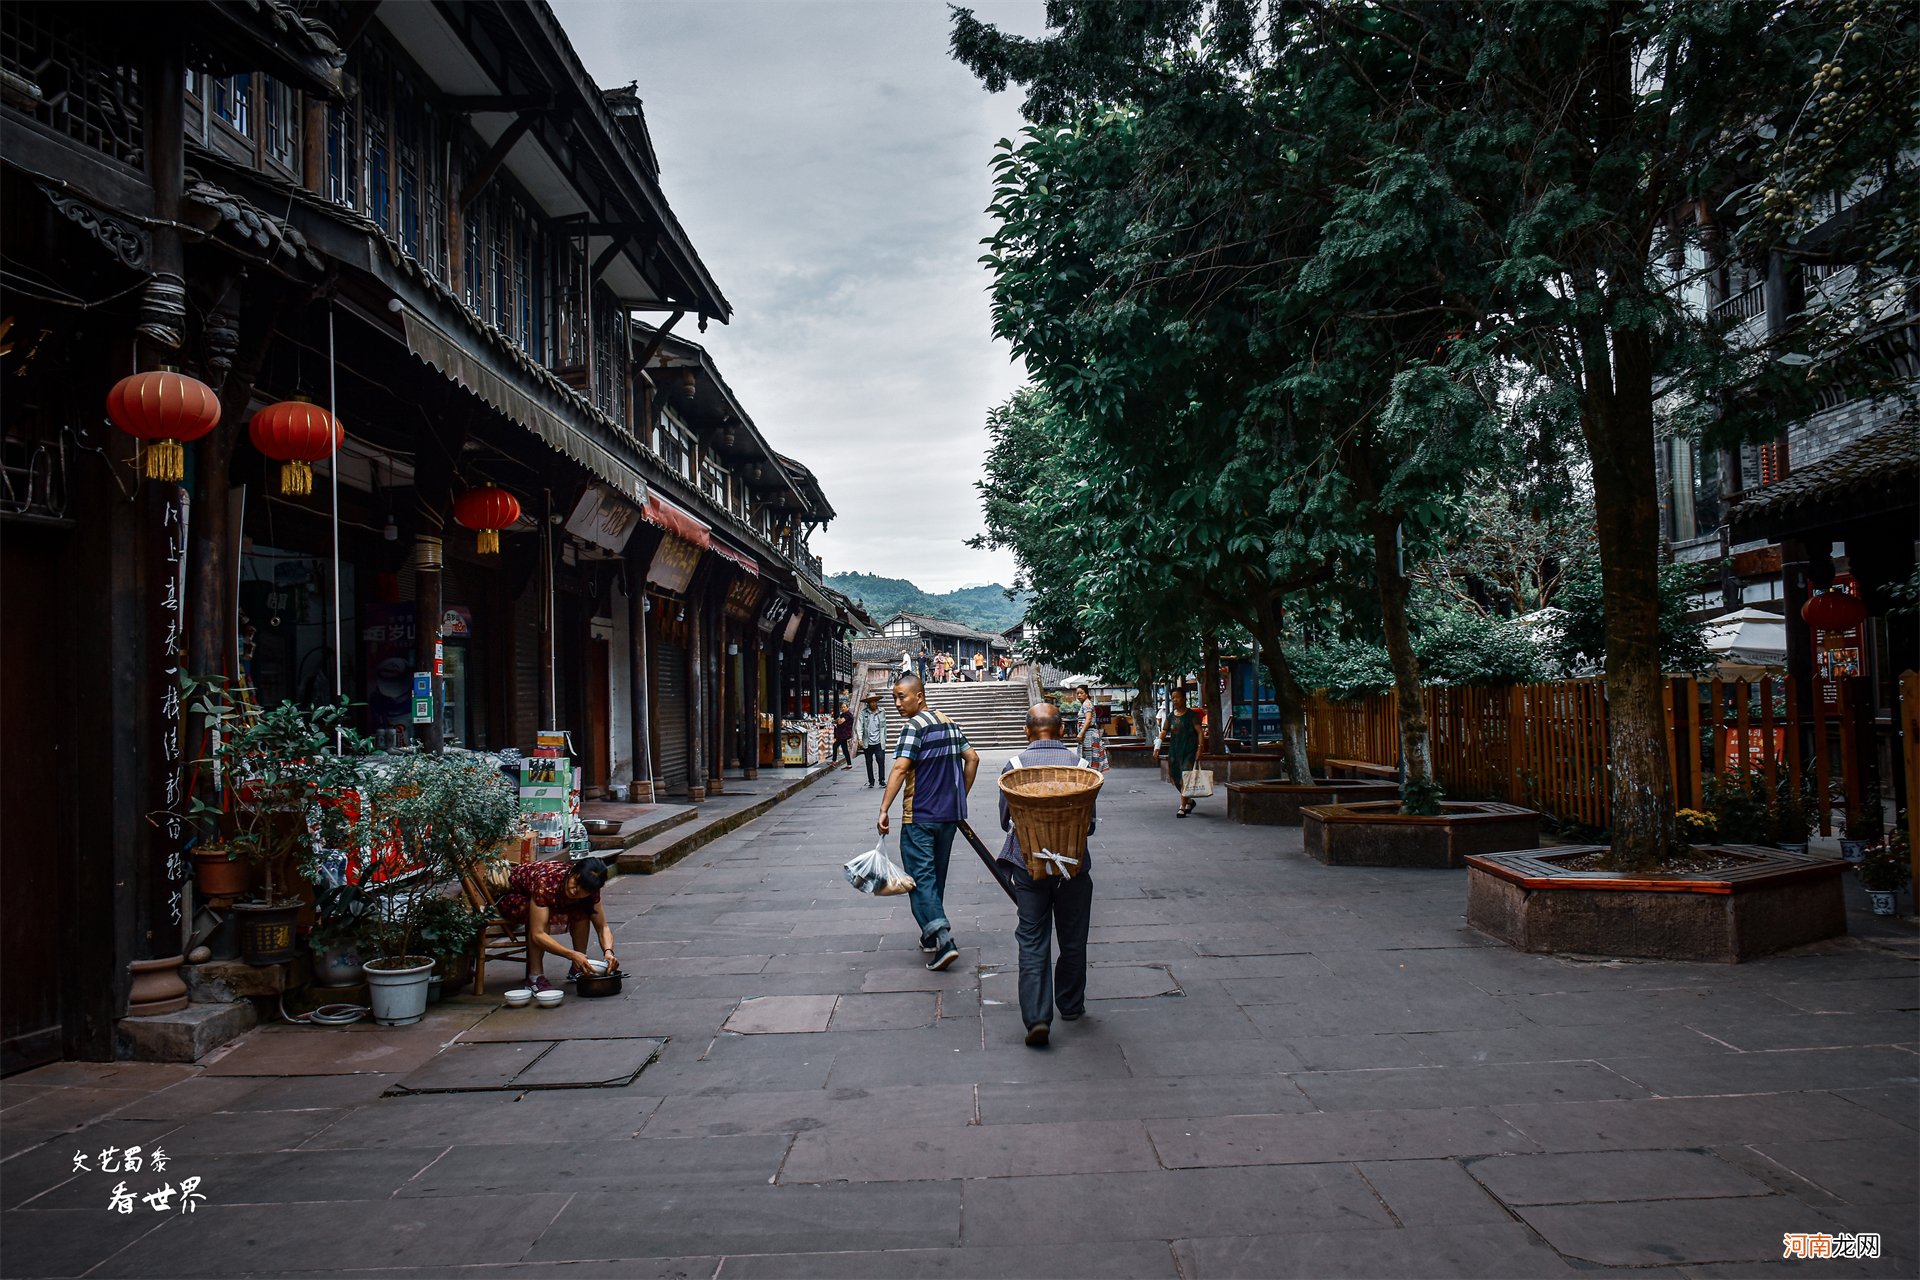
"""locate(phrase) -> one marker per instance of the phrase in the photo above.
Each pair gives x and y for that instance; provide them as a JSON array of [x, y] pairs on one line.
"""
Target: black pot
[[590, 986], [266, 931]]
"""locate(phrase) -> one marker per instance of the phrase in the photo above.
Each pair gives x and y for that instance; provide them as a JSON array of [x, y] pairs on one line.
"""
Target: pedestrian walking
[[843, 737], [872, 730], [1051, 907], [1186, 739], [1093, 743], [920, 666], [979, 667], [906, 663], [934, 765]]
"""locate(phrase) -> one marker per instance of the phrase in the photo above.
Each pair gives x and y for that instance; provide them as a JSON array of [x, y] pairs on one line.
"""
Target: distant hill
[[987, 608]]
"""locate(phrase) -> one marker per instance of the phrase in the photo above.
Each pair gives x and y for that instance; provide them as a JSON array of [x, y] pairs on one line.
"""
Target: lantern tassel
[[489, 542], [296, 479], [166, 460]]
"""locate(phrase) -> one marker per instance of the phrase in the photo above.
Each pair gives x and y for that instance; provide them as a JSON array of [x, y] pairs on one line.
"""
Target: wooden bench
[[1338, 768]]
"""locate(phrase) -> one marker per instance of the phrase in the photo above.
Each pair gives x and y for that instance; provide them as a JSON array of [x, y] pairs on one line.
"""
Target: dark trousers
[[843, 750], [1048, 907], [876, 758]]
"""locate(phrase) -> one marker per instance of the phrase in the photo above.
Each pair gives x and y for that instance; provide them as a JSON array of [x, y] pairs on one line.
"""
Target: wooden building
[[430, 220]]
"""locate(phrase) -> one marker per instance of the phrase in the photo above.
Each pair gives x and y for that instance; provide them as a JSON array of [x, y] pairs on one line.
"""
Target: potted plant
[[1791, 824], [448, 930], [279, 773], [339, 937], [1883, 870], [1696, 827], [446, 815]]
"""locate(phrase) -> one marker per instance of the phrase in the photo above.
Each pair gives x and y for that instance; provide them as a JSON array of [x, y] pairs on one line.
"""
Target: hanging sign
[[603, 518], [673, 563]]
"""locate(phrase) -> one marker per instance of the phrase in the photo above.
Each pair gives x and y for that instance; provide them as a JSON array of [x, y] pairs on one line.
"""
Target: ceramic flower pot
[[1883, 901], [1853, 850], [337, 965], [397, 989], [218, 876], [266, 931], [157, 987]]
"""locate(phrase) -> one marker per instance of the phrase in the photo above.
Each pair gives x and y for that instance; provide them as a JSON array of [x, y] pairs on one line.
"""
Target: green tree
[[1572, 158]]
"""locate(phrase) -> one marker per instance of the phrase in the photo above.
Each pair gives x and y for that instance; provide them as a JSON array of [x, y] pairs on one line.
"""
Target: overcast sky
[[830, 163]]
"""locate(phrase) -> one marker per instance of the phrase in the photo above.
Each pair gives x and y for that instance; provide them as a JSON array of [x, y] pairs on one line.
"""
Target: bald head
[[1043, 722]]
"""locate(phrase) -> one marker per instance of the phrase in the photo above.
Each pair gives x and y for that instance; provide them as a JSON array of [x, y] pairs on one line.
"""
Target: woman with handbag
[[1093, 745], [1186, 738]]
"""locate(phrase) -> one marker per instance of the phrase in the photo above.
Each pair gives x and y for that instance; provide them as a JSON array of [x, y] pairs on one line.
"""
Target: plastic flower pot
[[397, 989]]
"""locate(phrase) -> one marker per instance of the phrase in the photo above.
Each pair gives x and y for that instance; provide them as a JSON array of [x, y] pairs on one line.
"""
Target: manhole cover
[[516, 1065]]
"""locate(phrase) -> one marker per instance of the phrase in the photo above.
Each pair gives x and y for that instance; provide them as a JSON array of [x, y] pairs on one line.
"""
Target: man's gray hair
[[1044, 719]]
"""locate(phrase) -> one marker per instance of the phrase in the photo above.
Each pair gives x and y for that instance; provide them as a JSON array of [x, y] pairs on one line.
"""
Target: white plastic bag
[[875, 873]]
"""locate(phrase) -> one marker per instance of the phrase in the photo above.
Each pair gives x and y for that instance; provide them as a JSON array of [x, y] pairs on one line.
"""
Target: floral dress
[[544, 883]]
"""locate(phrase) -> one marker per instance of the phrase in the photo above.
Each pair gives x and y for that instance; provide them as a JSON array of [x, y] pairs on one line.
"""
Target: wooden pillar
[[777, 676], [716, 666], [750, 702], [696, 703], [549, 711], [639, 705]]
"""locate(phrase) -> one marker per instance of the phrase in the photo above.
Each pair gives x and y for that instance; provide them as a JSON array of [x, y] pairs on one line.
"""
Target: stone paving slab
[[781, 1015], [1602, 1176], [1468, 1252]]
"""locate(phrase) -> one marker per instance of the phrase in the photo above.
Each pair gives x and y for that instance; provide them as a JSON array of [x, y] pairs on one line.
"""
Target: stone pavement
[[1287, 1069]]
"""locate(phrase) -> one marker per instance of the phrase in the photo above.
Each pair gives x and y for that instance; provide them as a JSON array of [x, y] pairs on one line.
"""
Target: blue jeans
[[1048, 907], [924, 849]]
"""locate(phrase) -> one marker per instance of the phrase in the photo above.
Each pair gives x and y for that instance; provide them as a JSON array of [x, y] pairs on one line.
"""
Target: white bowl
[[549, 999], [519, 997], [596, 967]]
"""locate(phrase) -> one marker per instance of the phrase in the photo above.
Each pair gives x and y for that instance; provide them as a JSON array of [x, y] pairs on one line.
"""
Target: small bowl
[[519, 997], [549, 999], [596, 966]]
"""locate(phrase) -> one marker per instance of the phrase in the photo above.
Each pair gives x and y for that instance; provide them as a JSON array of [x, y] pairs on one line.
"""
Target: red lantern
[[489, 510], [296, 433], [167, 408], [1835, 610]]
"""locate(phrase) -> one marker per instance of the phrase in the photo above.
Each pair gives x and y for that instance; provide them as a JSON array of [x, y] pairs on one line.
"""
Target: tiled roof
[[1876, 464]]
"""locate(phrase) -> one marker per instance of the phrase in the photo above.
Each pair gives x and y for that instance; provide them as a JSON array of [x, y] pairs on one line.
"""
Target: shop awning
[[744, 562], [681, 524], [463, 365], [817, 599]]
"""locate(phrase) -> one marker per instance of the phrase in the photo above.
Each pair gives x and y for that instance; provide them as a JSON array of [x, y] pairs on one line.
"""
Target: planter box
[[1376, 834], [1278, 804], [1248, 767], [1774, 900], [1129, 755]]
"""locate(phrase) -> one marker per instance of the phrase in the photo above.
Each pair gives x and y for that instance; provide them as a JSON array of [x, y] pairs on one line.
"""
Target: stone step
[[668, 847]]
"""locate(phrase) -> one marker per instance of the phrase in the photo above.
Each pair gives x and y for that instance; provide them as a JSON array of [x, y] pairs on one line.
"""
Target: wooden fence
[[1545, 745]]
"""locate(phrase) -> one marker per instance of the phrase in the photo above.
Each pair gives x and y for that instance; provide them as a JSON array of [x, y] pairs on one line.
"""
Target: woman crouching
[[550, 898]]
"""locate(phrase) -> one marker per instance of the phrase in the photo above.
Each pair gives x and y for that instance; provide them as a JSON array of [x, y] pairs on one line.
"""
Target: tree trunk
[[1287, 695], [1210, 691], [1419, 795], [1618, 425], [1143, 716]]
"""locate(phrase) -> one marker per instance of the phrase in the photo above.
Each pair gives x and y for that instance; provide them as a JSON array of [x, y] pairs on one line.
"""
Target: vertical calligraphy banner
[[171, 594]]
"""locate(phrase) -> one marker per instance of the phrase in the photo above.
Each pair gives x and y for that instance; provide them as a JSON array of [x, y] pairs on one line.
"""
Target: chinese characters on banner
[[171, 629]]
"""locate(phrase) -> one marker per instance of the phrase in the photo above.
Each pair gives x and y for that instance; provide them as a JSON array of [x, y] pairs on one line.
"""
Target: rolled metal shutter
[[670, 711]]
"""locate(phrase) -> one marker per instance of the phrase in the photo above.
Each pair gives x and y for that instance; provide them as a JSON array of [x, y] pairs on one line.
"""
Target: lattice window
[[376, 100], [343, 154], [500, 265], [474, 255], [233, 102], [526, 327], [434, 197], [280, 113], [77, 90], [408, 160]]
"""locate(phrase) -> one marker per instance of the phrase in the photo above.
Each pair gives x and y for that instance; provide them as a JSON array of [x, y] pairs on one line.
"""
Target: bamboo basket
[[1051, 807]]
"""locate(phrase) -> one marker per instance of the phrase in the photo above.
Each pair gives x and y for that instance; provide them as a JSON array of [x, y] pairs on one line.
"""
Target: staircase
[[993, 713]]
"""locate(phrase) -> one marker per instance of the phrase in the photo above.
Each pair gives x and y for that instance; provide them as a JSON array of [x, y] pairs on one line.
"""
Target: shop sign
[[673, 563], [1837, 654], [603, 518]]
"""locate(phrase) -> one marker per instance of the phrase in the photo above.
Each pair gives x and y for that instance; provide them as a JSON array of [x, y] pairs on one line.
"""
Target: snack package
[[875, 873]]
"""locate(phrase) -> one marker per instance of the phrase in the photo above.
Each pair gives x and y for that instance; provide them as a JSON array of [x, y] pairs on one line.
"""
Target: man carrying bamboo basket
[[1053, 905]]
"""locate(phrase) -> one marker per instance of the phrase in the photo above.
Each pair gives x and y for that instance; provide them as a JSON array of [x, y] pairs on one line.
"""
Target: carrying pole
[[1001, 877]]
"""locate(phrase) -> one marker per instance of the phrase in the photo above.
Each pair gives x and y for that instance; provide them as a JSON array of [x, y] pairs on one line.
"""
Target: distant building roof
[[947, 627], [1874, 470]]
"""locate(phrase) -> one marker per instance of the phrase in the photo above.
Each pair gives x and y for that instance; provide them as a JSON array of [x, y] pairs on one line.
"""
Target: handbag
[[1196, 784]]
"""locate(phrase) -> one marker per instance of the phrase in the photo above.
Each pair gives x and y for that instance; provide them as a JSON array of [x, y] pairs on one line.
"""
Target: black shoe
[[1072, 1017], [573, 974], [928, 943], [944, 952], [1037, 1035]]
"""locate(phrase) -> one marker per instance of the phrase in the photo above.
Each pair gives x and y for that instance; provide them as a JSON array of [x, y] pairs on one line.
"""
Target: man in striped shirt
[[934, 765]]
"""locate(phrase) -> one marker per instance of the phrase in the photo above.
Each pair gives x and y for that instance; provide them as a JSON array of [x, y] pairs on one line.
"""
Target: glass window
[[375, 101], [233, 102], [343, 154], [407, 160], [280, 110]]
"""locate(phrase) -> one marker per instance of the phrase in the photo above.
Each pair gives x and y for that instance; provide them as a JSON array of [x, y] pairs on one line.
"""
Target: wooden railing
[[1545, 745]]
